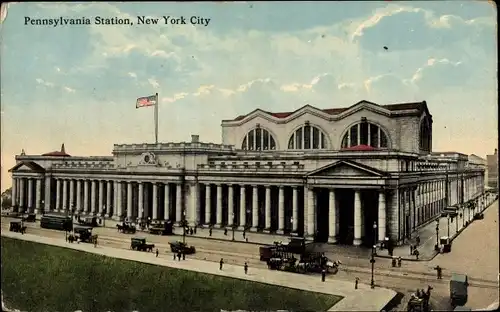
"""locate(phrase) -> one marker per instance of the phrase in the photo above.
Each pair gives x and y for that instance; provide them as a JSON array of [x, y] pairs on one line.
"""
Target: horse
[[119, 227]]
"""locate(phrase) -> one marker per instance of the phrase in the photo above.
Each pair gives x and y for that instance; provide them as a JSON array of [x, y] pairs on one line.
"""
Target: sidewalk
[[428, 238], [362, 299]]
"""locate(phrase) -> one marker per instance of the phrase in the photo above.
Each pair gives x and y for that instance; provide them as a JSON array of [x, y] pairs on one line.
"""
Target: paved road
[[407, 279]]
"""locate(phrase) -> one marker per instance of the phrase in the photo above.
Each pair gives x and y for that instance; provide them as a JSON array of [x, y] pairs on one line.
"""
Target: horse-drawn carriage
[[181, 247], [126, 228], [307, 264], [17, 226], [419, 301], [82, 234]]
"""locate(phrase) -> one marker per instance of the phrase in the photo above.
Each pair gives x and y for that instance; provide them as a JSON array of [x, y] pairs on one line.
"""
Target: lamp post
[[103, 215], [43, 206], [372, 260], [233, 225], [437, 233], [448, 220], [463, 215], [184, 224]]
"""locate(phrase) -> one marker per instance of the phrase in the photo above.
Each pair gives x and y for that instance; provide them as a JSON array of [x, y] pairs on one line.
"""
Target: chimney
[[195, 138], [62, 148]]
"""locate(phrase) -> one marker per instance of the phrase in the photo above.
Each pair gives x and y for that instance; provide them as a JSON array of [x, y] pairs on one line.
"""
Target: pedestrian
[[183, 256], [417, 253], [225, 232], [356, 281], [195, 229], [221, 262], [210, 232], [323, 275], [95, 242], [174, 256], [178, 256], [246, 267], [439, 271], [244, 234], [157, 252], [418, 240], [399, 261], [411, 249]]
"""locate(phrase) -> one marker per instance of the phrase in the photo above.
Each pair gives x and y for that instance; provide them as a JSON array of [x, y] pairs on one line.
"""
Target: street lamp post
[[43, 206], [463, 215], [103, 214], [233, 225], [372, 260], [437, 233], [448, 220]]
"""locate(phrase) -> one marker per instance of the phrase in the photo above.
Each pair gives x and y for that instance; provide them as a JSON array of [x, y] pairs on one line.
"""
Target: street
[[474, 252]]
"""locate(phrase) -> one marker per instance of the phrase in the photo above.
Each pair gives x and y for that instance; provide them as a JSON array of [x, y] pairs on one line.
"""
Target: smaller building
[[492, 161]]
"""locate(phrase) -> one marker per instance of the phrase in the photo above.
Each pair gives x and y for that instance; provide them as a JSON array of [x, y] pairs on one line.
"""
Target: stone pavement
[[427, 235], [362, 299]]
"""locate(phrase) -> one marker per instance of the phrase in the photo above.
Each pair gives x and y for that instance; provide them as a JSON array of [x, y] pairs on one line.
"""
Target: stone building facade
[[351, 176]]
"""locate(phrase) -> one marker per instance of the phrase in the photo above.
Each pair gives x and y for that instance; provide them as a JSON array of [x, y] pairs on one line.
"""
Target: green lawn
[[37, 277]]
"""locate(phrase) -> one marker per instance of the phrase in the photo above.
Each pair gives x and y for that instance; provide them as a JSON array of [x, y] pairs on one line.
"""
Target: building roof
[[421, 106], [61, 153]]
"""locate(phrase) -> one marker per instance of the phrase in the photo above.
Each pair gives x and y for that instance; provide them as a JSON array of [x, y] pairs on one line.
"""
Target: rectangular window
[[298, 139], [315, 138], [373, 135], [354, 135], [258, 137], [364, 133], [307, 137]]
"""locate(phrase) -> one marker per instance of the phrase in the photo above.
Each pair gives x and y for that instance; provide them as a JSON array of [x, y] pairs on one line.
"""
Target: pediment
[[347, 168], [27, 166]]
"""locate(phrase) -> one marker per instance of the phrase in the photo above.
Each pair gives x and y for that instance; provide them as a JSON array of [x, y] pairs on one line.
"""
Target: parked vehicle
[[88, 221], [139, 243], [16, 226], [181, 247], [30, 217], [445, 242], [56, 222], [126, 228], [161, 228], [451, 211], [84, 234], [458, 289]]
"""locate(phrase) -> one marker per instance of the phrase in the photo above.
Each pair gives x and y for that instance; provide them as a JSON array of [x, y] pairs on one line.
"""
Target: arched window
[[307, 137], [425, 135], [258, 139], [365, 133]]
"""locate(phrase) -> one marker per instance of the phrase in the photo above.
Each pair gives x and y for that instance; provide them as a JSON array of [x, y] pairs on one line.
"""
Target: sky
[[77, 84]]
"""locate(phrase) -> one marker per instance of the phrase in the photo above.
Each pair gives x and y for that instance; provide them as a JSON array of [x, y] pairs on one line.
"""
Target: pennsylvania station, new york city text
[[99, 20]]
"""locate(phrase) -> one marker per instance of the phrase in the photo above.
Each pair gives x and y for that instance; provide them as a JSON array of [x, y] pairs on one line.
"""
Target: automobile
[[458, 289], [181, 247], [126, 228], [139, 243], [30, 217], [161, 228], [17, 226], [84, 234]]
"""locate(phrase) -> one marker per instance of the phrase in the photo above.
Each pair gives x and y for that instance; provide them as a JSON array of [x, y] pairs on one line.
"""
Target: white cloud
[[162, 54], [58, 69], [154, 83], [204, 90], [430, 63], [131, 74], [69, 90], [44, 83], [176, 97]]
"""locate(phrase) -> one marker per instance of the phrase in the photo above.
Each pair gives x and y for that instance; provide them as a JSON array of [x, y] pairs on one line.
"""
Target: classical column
[[381, 216], [109, 204], [101, 197], [281, 210], [30, 195], [243, 208], [21, 195], [119, 203], [93, 197], [255, 207], [358, 218], [332, 214], [78, 195], [155, 201], [166, 207], [47, 194], [295, 210], [64, 195], [195, 203], [178, 204], [129, 201], [310, 212], [58, 194], [71, 194], [86, 196], [268, 207], [38, 195], [230, 205], [219, 205], [208, 204], [140, 201], [14, 194]]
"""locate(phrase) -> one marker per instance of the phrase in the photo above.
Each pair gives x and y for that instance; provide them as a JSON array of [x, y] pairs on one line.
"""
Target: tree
[[7, 198]]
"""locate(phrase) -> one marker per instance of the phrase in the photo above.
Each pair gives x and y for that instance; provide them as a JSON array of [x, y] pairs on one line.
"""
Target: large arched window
[[307, 137], [365, 133], [258, 139], [425, 135]]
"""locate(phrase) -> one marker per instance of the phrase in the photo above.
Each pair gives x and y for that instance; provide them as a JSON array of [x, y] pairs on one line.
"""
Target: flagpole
[[156, 119]]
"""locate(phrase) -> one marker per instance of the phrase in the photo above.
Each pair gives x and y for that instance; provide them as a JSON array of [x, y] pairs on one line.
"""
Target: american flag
[[146, 101]]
